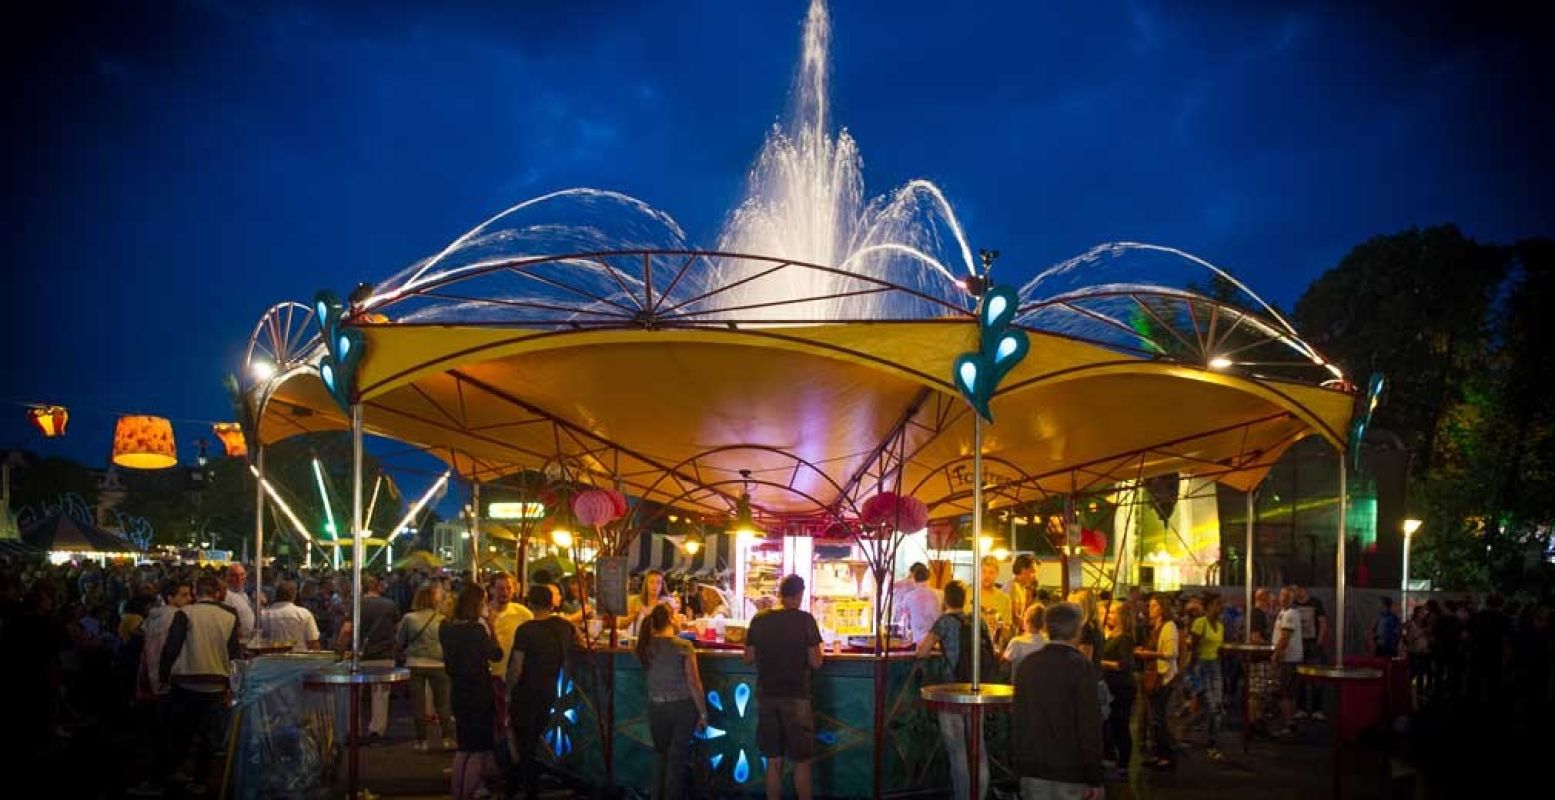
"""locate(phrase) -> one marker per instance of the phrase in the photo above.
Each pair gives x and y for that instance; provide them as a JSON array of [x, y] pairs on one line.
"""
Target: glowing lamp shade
[[561, 537], [49, 420], [231, 436], [743, 525], [144, 442], [1411, 525]]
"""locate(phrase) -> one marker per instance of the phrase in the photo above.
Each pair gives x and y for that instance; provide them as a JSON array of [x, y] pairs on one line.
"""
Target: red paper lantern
[[49, 420], [1093, 541], [597, 507], [888, 509]]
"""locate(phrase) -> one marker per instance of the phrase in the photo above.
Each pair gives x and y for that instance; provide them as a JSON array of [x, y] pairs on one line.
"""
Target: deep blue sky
[[173, 168]]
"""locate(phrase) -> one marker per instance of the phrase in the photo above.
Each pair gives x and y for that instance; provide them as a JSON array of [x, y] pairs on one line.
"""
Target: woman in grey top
[[676, 705], [417, 646]]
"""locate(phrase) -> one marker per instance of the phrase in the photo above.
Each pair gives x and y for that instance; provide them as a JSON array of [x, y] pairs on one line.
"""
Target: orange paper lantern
[[49, 420], [144, 442], [231, 436]]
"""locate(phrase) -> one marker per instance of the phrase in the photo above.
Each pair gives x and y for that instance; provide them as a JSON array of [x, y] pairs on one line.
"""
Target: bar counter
[[856, 697]]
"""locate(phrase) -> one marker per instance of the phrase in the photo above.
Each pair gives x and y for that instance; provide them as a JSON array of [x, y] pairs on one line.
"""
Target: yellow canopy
[[815, 411]]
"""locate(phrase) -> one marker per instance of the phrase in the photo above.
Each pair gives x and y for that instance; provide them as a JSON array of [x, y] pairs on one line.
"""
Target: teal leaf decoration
[[343, 349], [1000, 347]]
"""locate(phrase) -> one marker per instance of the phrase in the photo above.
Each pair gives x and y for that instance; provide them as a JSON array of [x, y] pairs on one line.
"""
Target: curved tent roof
[[823, 413]]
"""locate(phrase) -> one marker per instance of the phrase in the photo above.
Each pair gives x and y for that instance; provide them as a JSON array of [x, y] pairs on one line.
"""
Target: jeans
[[672, 725], [201, 718], [1120, 740], [1160, 728], [952, 731], [1043, 789], [1212, 697], [379, 721], [434, 680]]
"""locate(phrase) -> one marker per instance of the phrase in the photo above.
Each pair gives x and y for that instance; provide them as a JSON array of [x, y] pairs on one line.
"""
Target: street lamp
[[1410, 526]]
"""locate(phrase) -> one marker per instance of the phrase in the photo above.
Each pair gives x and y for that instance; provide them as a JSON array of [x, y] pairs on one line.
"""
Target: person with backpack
[[952, 634]]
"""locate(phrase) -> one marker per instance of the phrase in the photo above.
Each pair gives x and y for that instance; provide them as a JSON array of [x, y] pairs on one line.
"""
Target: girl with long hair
[[676, 704]]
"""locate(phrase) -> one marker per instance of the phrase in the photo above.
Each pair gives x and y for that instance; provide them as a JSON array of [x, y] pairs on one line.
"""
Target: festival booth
[[783, 398]]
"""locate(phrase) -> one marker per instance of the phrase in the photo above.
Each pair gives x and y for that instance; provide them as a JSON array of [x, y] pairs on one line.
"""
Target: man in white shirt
[[1287, 654], [285, 621], [919, 607], [237, 599]]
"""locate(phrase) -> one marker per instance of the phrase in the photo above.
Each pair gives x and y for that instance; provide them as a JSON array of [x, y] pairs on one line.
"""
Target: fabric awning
[[810, 410]]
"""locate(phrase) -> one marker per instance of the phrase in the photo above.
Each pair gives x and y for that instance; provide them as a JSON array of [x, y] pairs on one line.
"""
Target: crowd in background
[[82, 633]]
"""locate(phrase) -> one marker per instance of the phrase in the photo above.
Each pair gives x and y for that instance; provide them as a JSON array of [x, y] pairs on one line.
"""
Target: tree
[[1462, 331], [39, 483]]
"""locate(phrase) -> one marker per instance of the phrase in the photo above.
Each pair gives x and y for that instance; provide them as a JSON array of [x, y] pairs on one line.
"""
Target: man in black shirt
[[785, 646], [1314, 632], [539, 651], [1055, 731]]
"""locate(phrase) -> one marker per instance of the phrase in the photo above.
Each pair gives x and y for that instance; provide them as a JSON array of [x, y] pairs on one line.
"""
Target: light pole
[[1410, 526]]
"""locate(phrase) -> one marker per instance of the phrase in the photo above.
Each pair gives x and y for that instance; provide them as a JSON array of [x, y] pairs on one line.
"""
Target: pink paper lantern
[[888, 509], [597, 507]]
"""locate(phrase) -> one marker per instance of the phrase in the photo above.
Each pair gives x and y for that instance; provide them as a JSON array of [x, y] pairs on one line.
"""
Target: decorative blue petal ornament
[[343, 349], [1000, 347]]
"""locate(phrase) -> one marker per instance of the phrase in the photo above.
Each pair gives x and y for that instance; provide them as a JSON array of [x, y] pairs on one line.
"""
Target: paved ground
[[1460, 750], [1294, 768]]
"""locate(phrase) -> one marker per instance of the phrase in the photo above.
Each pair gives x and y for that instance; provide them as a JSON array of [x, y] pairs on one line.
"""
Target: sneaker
[[1318, 716], [1283, 733], [1214, 754], [420, 747], [1299, 715], [146, 789]]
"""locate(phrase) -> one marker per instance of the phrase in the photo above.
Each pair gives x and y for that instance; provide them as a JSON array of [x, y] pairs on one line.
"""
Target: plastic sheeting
[[287, 741]]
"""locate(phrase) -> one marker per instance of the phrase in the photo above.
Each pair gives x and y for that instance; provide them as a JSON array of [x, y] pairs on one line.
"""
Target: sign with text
[[612, 585]]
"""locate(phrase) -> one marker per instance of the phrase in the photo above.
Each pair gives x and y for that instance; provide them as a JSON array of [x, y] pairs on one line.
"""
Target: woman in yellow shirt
[[1206, 636]]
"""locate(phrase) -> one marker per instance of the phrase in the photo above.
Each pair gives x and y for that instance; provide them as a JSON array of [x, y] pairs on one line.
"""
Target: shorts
[[785, 728], [1285, 678]]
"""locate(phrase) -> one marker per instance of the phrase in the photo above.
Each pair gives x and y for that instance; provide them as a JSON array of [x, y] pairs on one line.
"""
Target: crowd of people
[[152, 645]]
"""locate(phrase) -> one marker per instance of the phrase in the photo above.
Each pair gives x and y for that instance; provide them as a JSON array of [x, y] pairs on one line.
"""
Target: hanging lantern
[[1093, 541], [144, 442], [231, 436], [49, 420], [597, 507], [889, 510]]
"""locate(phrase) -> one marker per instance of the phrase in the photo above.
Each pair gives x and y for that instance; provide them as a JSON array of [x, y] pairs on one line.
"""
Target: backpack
[[989, 660]]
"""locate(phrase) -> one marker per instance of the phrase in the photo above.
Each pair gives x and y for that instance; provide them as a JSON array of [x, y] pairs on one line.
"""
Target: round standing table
[[960, 698], [353, 682], [1338, 676], [1254, 659]]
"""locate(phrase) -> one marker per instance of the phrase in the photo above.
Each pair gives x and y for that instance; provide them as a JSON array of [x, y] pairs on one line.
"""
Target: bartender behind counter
[[919, 606], [654, 592]]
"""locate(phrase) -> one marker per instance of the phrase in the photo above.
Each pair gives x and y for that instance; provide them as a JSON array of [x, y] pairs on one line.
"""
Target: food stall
[[717, 408]]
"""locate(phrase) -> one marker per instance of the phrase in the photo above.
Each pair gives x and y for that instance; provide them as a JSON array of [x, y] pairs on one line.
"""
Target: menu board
[[612, 585]]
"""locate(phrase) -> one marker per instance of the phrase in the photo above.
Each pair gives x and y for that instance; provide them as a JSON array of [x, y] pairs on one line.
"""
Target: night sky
[[174, 168]]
